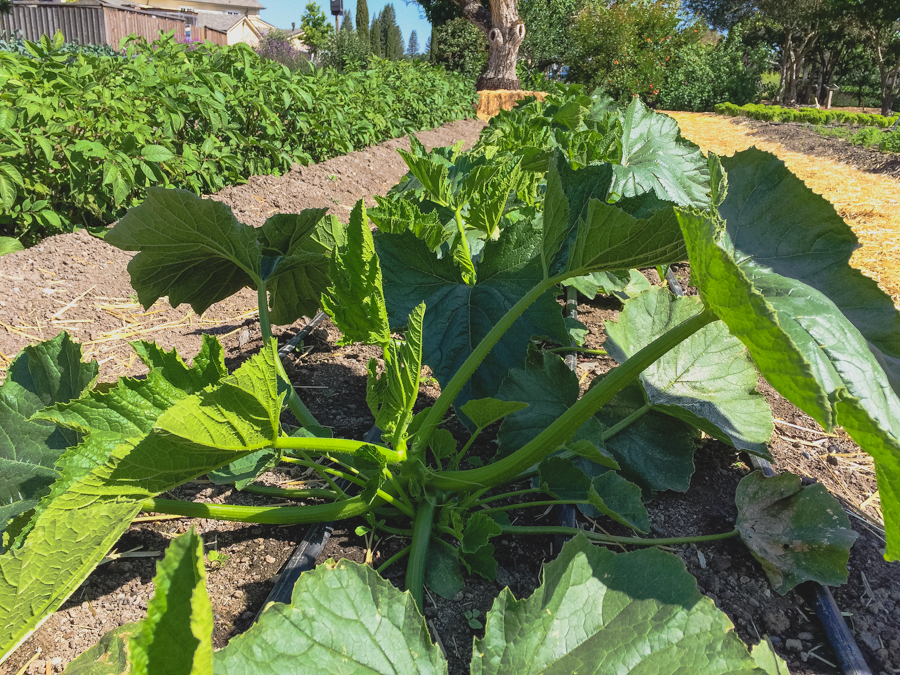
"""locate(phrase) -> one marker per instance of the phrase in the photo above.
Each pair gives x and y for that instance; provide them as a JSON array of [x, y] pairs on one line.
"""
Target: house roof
[[221, 22]]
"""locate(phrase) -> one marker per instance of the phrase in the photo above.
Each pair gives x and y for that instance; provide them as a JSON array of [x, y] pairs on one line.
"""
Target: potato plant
[[470, 254]]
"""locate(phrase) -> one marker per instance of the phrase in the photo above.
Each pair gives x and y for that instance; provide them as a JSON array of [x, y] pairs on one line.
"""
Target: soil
[[803, 138], [79, 283]]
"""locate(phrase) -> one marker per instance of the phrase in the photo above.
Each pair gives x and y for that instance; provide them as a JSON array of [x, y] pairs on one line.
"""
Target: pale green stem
[[580, 350], [265, 515], [333, 445], [415, 570], [610, 539]]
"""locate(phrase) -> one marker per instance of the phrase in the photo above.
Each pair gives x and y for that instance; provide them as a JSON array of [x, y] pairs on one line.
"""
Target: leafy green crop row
[[774, 113], [868, 137], [471, 253], [83, 136]]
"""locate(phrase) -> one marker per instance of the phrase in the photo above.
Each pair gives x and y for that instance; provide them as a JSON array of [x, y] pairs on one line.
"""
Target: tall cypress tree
[[376, 38], [413, 49], [393, 49], [362, 21], [347, 23]]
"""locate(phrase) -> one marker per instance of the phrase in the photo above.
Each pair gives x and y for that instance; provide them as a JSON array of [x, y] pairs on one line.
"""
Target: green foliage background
[[85, 136]]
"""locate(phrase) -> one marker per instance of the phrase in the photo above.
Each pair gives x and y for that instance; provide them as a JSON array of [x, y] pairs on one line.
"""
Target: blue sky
[[281, 13]]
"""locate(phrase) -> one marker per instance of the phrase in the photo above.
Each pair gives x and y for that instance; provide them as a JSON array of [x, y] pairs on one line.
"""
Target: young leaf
[[655, 158], [176, 635], [355, 301], [485, 411], [797, 534], [623, 284], [209, 364], [442, 572], [430, 170], [339, 613], [608, 493], [634, 612], [706, 381]]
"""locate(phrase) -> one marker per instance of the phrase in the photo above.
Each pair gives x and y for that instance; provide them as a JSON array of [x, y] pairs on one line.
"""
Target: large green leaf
[[208, 367], [653, 450], [655, 158], [623, 284], [707, 380], [355, 299], [809, 351], [41, 375], [105, 479], [797, 534], [459, 316], [190, 249], [176, 636], [193, 250], [601, 612], [10, 245], [343, 618], [808, 242], [485, 411]]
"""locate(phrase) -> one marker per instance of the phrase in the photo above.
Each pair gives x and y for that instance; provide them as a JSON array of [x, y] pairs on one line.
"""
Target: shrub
[[704, 75], [275, 46], [460, 48]]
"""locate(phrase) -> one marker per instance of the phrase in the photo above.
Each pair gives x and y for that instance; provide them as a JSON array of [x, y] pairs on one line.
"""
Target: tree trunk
[[889, 73], [505, 32]]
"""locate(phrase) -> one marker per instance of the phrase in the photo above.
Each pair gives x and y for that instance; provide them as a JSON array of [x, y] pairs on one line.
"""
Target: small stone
[[56, 661], [246, 616], [793, 645], [270, 559], [869, 640], [804, 657], [238, 593], [777, 622], [805, 636]]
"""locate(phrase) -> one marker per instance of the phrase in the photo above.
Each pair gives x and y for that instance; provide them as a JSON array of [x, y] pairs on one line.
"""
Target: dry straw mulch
[[869, 203]]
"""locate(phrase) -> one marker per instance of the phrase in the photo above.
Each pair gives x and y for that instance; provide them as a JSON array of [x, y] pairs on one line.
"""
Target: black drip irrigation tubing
[[565, 513]]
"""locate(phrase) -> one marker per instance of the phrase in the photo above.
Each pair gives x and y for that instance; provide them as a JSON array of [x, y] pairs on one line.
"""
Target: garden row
[[82, 136], [471, 255], [775, 113]]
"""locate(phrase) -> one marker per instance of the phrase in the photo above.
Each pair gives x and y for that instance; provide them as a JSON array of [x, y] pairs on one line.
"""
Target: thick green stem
[[297, 407], [324, 471], [470, 365], [287, 493], [506, 469], [610, 539], [265, 515], [415, 570], [333, 445], [507, 495]]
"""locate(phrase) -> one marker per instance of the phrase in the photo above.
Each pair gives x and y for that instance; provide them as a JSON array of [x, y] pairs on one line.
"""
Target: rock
[[793, 645], [805, 636], [869, 640], [776, 622], [720, 563], [270, 559]]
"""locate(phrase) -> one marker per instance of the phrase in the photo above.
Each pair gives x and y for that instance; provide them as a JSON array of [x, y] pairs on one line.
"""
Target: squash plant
[[777, 297]]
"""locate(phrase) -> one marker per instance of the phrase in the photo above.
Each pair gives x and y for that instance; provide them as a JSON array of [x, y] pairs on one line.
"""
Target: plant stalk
[[415, 569], [556, 434], [264, 515], [332, 445], [580, 350], [399, 555], [611, 539], [287, 493]]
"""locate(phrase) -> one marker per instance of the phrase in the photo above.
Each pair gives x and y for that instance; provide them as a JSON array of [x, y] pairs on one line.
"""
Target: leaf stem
[[462, 233], [526, 505], [415, 570], [332, 445], [556, 434], [610, 539], [265, 515], [399, 555], [507, 495], [626, 422], [580, 350], [297, 407]]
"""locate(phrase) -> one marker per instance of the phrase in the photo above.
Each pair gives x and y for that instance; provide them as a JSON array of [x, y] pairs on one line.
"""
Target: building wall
[[199, 6]]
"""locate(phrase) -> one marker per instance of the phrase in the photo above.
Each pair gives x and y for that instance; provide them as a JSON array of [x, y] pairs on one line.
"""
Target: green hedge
[[774, 113], [83, 136]]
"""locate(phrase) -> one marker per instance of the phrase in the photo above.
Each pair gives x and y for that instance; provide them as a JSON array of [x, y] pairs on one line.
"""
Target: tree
[[347, 23], [6, 7], [501, 26], [362, 21], [375, 38], [549, 40], [459, 46], [316, 29], [413, 49], [880, 23]]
